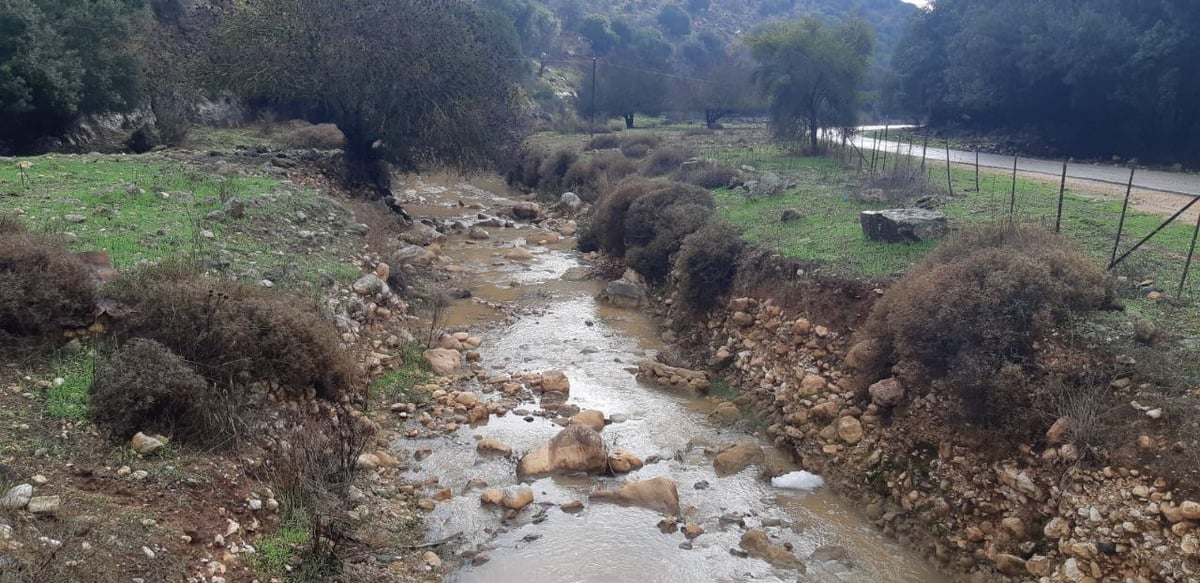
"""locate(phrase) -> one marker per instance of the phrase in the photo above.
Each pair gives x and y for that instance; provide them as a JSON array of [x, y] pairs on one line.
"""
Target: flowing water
[[561, 325]]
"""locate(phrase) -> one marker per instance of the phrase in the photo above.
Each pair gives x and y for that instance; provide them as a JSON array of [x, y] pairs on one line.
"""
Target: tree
[[698, 6], [810, 73], [535, 26], [63, 58], [1094, 77], [674, 20], [597, 30], [412, 82], [727, 88], [624, 87]]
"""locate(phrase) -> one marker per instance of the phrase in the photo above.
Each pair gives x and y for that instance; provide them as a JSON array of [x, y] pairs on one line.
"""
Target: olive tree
[[411, 82], [63, 58], [810, 74]]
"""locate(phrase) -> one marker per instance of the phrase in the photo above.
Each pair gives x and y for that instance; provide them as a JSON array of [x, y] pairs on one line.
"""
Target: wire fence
[[1143, 226]]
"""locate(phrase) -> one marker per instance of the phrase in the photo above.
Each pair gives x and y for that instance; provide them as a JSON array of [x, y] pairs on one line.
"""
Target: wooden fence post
[[1012, 201], [949, 184], [976, 170], [1062, 189]]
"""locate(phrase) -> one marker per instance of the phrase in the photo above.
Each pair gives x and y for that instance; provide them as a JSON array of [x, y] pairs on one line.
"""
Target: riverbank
[[80, 504]]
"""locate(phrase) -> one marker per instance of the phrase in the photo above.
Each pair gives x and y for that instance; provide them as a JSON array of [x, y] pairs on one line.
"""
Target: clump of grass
[[71, 400], [398, 384]]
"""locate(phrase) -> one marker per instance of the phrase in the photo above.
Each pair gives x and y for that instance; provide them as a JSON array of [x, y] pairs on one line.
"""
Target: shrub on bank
[[235, 334], [706, 264], [603, 142], [42, 285], [590, 177], [665, 160], [147, 387], [707, 174], [974, 307]]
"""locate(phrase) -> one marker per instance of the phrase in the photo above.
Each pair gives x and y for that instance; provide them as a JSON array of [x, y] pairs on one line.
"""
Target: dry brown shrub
[[322, 136], [553, 171], [607, 226], [235, 334], [706, 264], [707, 174], [589, 178], [43, 287], [635, 151], [146, 387], [603, 142], [666, 160], [976, 305]]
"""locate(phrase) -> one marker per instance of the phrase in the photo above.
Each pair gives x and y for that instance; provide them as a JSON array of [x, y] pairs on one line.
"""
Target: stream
[[561, 325]]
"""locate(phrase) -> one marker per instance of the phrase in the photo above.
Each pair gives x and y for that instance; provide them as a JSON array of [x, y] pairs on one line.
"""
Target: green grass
[[274, 552], [828, 232], [70, 400], [719, 387], [168, 219], [165, 221], [398, 385]]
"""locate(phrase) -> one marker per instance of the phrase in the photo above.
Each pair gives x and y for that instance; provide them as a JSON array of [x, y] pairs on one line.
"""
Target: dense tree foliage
[[413, 82], [810, 73], [536, 27], [63, 58], [674, 21], [1097, 77]]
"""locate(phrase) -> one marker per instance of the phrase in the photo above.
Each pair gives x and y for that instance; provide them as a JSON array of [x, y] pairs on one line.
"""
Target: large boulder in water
[[659, 494], [443, 361], [734, 457], [624, 294], [756, 543], [904, 225], [575, 449]]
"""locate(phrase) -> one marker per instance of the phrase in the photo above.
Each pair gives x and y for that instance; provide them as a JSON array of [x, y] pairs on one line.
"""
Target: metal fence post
[[1187, 265], [1121, 222]]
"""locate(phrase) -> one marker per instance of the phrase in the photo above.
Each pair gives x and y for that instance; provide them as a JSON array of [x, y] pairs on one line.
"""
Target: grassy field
[[824, 191], [141, 209]]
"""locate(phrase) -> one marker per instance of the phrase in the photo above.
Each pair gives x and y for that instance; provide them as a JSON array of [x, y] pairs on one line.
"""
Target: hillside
[[730, 19]]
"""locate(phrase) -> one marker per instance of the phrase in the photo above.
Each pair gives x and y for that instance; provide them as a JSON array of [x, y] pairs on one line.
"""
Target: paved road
[[1170, 182]]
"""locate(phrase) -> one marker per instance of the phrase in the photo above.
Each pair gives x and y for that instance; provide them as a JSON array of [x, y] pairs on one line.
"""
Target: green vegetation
[[398, 384], [1092, 78], [273, 553], [71, 399], [146, 209], [810, 73], [61, 59], [373, 69]]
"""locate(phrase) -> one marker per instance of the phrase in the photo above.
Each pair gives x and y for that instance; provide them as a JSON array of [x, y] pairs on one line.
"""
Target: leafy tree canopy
[[1097, 77], [412, 82], [810, 73], [63, 58]]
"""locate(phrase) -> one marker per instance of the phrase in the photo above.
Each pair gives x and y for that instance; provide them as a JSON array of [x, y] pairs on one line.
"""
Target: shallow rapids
[[563, 326]]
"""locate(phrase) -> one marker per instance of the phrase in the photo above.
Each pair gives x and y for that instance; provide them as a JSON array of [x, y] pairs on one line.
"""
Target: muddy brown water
[[561, 325]]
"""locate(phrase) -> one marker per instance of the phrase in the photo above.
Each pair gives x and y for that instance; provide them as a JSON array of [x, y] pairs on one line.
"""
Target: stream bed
[[561, 325]]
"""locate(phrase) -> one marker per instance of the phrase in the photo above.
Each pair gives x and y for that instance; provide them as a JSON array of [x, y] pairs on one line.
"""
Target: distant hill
[[731, 19]]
